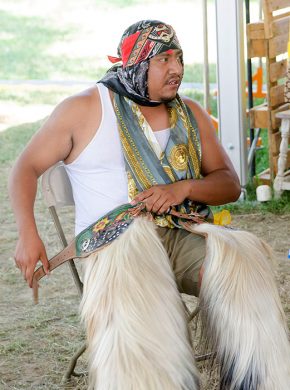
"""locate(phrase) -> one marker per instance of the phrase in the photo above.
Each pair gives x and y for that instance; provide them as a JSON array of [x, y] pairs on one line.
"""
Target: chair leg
[[190, 317], [193, 314], [206, 356], [70, 371]]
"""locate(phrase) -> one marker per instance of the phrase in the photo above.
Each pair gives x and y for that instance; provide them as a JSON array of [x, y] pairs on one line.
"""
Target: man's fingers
[[23, 271], [143, 195], [28, 276], [151, 203], [164, 207], [139, 197], [159, 205], [17, 264], [45, 263]]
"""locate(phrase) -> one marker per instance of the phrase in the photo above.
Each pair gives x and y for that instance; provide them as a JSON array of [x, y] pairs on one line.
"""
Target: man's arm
[[219, 184], [52, 143]]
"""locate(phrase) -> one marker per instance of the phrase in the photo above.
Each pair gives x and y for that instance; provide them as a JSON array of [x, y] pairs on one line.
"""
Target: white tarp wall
[[231, 82]]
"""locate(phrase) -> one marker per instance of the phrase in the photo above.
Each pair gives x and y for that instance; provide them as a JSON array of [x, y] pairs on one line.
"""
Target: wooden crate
[[269, 38]]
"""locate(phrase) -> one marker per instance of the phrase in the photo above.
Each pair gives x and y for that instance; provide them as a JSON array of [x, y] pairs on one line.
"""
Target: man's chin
[[165, 99], [168, 99]]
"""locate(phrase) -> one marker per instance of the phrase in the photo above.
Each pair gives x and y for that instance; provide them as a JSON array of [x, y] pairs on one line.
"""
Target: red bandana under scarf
[[145, 43]]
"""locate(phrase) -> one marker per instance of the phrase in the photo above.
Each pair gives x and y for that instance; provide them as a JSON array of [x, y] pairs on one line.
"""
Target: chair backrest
[[57, 193], [56, 187]]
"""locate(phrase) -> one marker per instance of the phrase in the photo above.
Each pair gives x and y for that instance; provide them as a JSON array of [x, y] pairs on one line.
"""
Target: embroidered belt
[[106, 229]]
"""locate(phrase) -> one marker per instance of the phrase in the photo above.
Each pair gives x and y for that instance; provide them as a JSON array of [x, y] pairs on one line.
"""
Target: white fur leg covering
[[243, 317], [136, 327]]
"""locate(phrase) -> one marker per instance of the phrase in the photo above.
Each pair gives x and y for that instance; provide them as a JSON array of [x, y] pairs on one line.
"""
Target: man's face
[[164, 75]]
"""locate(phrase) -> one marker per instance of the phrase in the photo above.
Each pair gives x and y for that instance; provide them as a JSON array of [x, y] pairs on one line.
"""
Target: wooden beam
[[281, 26], [259, 117], [276, 95], [275, 5], [276, 122], [278, 70], [268, 18], [278, 45], [275, 140], [257, 48], [255, 30]]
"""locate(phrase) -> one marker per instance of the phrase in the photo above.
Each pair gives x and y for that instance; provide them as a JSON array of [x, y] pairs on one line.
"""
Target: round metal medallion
[[179, 157]]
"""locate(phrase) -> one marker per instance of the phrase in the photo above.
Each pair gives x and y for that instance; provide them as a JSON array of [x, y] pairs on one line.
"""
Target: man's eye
[[163, 59]]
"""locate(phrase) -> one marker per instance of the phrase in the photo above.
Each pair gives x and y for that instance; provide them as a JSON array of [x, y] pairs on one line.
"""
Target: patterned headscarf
[[140, 42]]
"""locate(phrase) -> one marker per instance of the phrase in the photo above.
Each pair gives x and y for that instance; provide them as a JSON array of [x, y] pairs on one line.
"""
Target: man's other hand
[[159, 198]]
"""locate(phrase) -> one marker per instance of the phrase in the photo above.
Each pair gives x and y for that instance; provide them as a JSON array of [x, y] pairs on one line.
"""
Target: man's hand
[[159, 198], [28, 251]]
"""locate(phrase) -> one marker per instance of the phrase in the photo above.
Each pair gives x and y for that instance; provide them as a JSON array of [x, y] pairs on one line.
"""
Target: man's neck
[[157, 117]]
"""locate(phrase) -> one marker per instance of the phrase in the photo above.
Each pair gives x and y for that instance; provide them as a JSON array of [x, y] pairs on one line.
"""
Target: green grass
[[25, 43], [251, 205], [14, 347], [262, 155], [24, 95], [13, 140]]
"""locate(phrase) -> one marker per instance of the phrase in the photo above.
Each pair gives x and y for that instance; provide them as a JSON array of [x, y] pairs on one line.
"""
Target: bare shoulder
[[65, 132], [85, 97], [72, 109], [71, 114], [75, 121], [204, 123], [213, 155], [202, 118]]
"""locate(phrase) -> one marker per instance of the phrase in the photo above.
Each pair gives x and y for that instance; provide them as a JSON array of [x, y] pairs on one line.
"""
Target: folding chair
[[57, 193]]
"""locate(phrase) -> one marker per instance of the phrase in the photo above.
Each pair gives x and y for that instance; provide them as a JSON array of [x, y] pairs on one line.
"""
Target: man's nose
[[175, 66]]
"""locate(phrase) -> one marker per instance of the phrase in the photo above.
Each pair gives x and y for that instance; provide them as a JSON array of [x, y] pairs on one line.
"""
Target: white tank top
[[98, 176]]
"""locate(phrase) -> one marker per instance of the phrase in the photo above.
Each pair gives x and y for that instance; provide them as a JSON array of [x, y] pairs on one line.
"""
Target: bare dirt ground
[[38, 341]]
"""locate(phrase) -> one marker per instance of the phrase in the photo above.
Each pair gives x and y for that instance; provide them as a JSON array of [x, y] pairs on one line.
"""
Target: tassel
[[136, 325], [241, 311]]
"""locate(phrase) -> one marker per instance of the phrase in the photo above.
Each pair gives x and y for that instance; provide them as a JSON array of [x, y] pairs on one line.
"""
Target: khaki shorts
[[186, 252]]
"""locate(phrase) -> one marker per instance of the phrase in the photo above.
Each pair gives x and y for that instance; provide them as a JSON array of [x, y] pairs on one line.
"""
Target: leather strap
[[66, 254]]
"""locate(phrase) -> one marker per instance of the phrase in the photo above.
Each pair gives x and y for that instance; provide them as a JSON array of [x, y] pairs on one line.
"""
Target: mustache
[[175, 77]]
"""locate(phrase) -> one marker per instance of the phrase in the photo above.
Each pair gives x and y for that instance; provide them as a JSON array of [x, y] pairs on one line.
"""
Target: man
[[132, 137], [73, 125]]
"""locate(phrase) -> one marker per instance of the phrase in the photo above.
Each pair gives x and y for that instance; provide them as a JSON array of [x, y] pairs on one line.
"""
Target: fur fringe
[[241, 311], [136, 326]]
